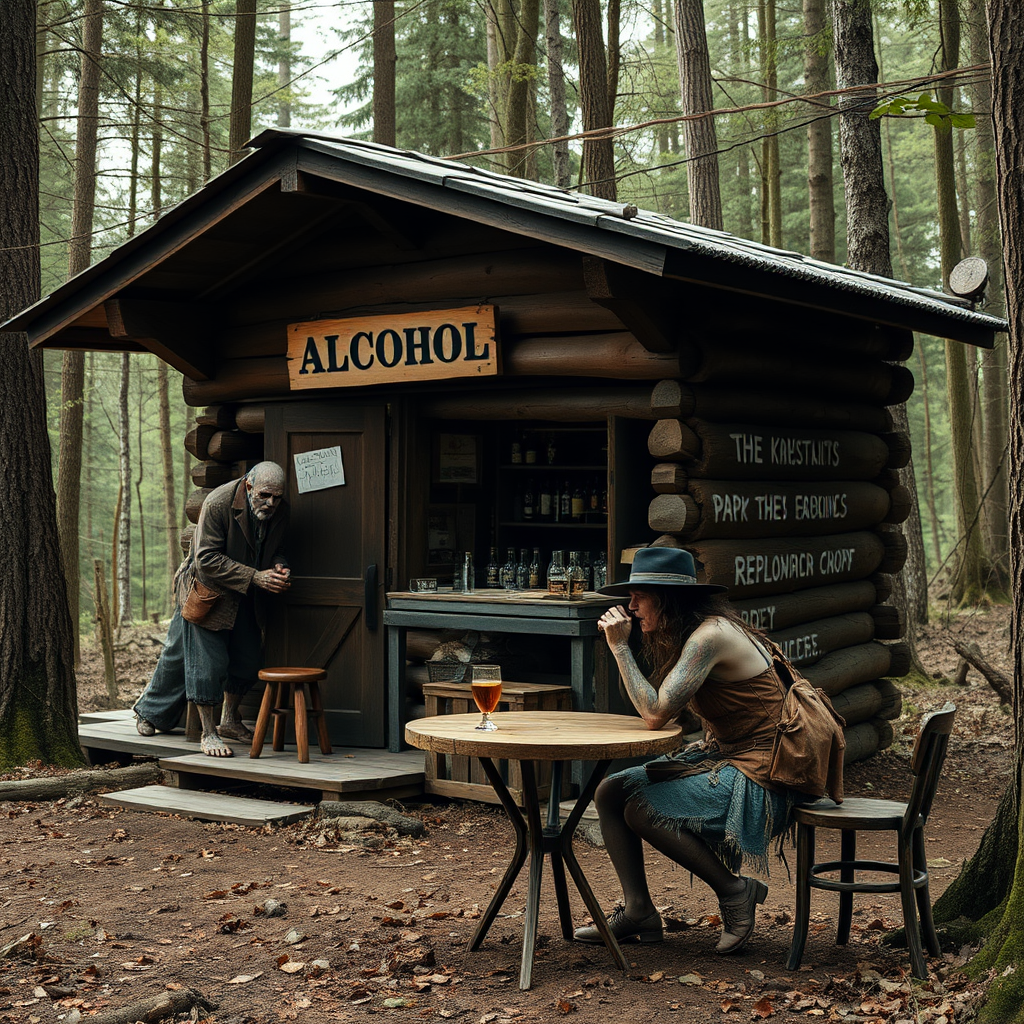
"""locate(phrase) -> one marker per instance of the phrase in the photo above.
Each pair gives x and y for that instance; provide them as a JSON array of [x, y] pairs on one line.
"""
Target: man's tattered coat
[[223, 553]]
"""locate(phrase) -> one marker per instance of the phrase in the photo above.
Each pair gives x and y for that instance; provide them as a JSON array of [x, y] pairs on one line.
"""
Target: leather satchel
[[199, 601], [807, 753]]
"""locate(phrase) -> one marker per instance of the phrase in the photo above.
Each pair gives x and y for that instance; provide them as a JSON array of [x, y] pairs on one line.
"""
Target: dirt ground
[[317, 922]]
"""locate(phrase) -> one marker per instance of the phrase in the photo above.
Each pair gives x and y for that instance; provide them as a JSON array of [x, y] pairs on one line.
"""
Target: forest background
[[141, 102]]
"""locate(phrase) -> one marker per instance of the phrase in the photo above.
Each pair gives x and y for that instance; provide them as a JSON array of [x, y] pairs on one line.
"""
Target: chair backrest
[[926, 763]]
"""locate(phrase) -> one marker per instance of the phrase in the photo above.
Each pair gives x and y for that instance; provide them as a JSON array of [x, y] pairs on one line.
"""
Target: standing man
[[235, 561]]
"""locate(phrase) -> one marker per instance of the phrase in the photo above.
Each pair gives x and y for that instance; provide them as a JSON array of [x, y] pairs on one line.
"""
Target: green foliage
[[936, 113]]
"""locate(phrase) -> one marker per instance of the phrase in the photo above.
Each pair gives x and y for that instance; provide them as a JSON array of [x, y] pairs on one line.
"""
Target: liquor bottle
[[516, 456], [588, 572], [556, 574], [523, 570], [556, 504], [493, 573], [551, 450], [468, 573], [575, 576], [600, 570], [578, 503], [531, 448], [534, 580], [528, 502], [508, 570], [565, 505], [544, 502], [595, 498], [604, 499]]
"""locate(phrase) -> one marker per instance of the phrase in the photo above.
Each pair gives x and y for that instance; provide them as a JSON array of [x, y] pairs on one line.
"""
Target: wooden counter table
[[528, 612], [555, 736]]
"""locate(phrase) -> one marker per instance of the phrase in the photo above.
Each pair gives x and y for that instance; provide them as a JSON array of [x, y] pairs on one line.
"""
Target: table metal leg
[[555, 840], [531, 805], [518, 857], [565, 841], [552, 832]]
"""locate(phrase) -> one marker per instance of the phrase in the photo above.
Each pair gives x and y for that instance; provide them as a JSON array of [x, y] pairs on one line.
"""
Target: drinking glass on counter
[[486, 688]]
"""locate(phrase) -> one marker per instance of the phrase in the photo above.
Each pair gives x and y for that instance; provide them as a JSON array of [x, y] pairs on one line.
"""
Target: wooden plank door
[[331, 616]]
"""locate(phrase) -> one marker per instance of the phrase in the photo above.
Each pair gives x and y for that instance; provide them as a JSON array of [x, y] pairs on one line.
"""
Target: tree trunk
[[140, 476], [284, 64], [867, 205], [771, 199], [821, 202], [204, 89], [614, 53], [495, 94], [867, 230], [1002, 952], [241, 78], [38, 712], [598, 154], [104, 630], [167, 458], [993, 361], [69, 461], [517, 105], [968, 583], [699, 136], [556, 91], [384, 65]]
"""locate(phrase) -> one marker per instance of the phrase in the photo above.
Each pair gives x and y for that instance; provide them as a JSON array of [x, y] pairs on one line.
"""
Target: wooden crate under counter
[[455, 775]]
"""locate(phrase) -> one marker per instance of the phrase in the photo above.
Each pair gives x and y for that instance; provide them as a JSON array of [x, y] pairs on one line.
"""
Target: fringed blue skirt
[[735, 816]]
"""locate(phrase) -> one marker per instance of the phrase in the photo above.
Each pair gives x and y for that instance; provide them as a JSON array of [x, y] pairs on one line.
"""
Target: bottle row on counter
[[582, 571]]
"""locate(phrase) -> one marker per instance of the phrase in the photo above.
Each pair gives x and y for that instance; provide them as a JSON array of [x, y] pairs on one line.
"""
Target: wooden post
[[104, 630]]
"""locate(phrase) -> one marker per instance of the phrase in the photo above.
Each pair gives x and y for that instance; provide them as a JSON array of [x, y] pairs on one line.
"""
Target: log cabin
[[448, 361]]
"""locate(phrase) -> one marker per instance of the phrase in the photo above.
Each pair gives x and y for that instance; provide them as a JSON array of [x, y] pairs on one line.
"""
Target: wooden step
[[207, 806]]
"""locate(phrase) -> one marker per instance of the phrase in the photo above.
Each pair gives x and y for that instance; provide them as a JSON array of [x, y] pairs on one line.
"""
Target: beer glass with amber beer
[[486, 687]]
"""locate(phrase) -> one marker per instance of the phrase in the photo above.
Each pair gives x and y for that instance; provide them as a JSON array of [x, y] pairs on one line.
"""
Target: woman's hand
[[616, 624]]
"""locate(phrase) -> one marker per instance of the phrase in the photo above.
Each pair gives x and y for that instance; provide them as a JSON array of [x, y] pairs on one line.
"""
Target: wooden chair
[[855, 814], [286, 690]]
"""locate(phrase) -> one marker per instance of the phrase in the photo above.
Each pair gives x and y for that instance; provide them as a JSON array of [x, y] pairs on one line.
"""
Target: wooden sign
[[432, 345], [780, 611], [721, 451], [716, 508], [750, 568]]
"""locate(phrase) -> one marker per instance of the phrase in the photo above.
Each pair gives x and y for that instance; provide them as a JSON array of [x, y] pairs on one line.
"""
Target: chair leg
[[802, 913], [281, 708], [924, 899], [918, 967], [321, 721], [259, 733], [301, 724], [847, 854]]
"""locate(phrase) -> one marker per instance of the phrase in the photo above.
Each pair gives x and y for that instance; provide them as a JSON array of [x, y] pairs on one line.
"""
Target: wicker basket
[[447, 671]]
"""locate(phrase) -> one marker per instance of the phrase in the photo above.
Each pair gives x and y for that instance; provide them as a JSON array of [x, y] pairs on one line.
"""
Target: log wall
[[779, 475]]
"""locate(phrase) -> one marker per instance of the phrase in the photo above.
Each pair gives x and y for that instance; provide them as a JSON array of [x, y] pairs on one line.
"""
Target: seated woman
[[711, 806]]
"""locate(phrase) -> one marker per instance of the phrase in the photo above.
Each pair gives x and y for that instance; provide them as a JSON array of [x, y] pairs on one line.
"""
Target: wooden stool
[[278, 701]]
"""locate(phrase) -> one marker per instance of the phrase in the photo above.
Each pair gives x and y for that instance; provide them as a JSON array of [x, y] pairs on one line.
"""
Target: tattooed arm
[[699, 656]]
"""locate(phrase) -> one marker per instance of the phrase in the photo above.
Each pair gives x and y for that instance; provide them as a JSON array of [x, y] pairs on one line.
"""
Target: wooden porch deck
[[349, 773]]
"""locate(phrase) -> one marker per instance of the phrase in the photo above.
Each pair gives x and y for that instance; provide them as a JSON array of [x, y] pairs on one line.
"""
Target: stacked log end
[[224, 448], [784, 488]]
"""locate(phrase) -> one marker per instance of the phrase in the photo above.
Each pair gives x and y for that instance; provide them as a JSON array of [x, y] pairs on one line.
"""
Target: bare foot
[[144, 728], [235, 731], [213, 746]]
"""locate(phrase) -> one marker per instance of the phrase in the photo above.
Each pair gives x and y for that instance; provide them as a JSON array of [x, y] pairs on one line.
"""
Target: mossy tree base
[[37, 729]]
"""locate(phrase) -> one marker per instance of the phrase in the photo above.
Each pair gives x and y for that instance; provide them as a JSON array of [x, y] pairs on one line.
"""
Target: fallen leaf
[[762, 1008], [565, 1006]]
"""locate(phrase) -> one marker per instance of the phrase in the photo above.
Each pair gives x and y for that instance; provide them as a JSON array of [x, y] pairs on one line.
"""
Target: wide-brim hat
[[663, 567]]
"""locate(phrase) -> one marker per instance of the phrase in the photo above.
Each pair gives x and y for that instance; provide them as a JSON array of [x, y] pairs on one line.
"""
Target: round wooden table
[[555, 736]]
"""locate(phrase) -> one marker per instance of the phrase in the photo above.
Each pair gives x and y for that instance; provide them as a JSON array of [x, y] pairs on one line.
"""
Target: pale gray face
[[265, 490]]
